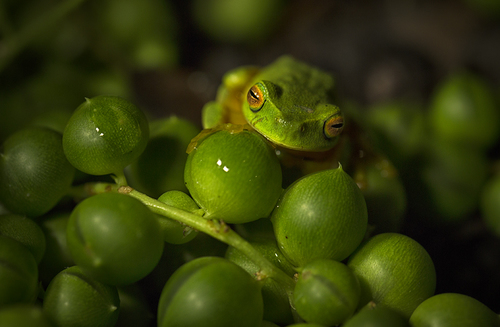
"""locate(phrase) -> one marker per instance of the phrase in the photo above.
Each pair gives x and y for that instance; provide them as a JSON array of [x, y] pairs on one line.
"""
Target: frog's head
[[294, 118]]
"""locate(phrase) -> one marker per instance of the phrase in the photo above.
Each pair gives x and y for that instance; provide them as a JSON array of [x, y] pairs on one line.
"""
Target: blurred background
[[404, 63]]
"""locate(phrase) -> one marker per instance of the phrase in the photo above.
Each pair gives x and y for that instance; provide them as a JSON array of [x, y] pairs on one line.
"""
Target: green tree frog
[[288, 102], [291, 104]]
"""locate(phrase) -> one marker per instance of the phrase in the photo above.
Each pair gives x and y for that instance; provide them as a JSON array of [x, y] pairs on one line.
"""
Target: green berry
[[321, 216], [21, 315], [34, 172], [75, 299], [234, 20], [211, 292], [18, 273], [104, 135], [399, 130], [464, 110], [394, 271], [173, 231], [327, 292], [114, 238], [377, 316], [453, 310], [25, 231], [454, 176], [57, 255], [234, 175]]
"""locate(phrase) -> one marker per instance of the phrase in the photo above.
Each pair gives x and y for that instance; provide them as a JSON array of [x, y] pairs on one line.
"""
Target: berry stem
[[83, 191], [218, 230], [120, 179]]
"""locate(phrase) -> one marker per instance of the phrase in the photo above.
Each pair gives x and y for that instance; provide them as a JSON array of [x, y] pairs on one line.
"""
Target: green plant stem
[[214, 228], [17, 41], [83, 191], [120, 178], [218, 230]]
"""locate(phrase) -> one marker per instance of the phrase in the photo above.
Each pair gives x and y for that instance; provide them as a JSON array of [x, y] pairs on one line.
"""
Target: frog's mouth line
[[298, 149], [255, 122]]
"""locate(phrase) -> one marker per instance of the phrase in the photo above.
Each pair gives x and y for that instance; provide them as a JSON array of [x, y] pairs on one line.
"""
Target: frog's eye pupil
[[333, 126], [255, 98]]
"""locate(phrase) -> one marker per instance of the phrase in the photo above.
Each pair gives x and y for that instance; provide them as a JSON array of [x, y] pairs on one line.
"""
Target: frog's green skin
[[288, 102]]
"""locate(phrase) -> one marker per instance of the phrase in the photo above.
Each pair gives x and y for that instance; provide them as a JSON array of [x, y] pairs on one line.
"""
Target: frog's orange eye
[[255, 98], [333, 126]]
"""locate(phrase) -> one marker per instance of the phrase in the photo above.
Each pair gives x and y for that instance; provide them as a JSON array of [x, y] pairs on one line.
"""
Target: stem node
[[125, 189]]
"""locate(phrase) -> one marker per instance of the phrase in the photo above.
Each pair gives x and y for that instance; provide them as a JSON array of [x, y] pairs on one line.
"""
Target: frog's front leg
[[227, 105]]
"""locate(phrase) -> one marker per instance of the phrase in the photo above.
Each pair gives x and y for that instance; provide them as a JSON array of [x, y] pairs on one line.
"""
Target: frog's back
[[290, 71], [299, 78]]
